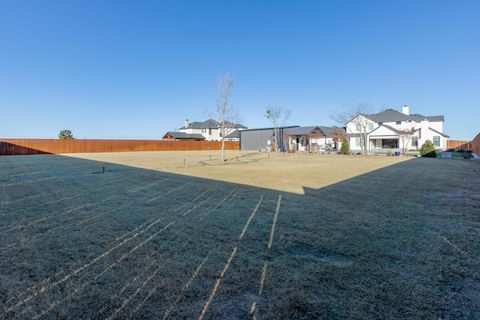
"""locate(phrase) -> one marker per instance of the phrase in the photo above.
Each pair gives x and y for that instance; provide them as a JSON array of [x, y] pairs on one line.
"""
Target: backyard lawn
[[177, 235]]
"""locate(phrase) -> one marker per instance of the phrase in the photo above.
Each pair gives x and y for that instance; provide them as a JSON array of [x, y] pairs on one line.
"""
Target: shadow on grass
[[7, 148], [399, 242]]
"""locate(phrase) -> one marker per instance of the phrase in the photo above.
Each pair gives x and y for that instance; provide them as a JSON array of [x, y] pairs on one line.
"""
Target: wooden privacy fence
[[459, 144], [476, 144], [57, 146]]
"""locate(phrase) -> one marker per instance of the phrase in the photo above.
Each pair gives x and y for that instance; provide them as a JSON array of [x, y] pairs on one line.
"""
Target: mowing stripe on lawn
[[168, 192], [184, 289], [251, 217], [75, 194], [107, 269], [254, 306], [274, 224], [104, 254], [123, 257], [35, 238], [127, 300], [217, 283], [179, 297], [227, 264], [454, 246], [129, 283], [145, 187]]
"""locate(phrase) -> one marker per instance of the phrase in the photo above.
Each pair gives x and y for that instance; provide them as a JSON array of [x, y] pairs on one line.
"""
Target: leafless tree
[[358, 116], [338, 135], [227, 116], [405, 137], [277, 115]]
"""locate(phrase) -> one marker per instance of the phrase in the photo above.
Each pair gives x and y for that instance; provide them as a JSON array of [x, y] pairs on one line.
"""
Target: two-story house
[[210, 129], [391, 129]]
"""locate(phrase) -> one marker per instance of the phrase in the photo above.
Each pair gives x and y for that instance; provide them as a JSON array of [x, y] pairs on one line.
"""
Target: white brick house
[[384, 131], [210, 129]]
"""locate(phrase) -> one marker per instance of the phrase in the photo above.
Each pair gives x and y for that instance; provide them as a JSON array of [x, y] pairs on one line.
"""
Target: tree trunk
[[365, 144], [223, 145], [223, 151]]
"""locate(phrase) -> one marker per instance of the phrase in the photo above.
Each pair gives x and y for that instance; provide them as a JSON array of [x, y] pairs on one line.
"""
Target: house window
[[359, 127], [436, 141], [359, 142], [398, 122], [380, 123], [415, 142], [370, 126], [210, 131]]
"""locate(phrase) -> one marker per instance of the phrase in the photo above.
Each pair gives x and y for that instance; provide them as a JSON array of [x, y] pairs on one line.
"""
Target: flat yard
[[177, 235]]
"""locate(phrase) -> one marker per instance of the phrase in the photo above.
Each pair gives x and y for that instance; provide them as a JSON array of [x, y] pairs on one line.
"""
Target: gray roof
[[440, 133], [300, 131], [211, 124], [233, 135], [391, 115], [390, 128], [271, 128], [183, 135]]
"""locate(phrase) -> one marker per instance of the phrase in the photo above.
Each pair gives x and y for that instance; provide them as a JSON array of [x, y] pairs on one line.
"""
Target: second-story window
[[370, 126], [398, 122], [359, 127], [210, 131]]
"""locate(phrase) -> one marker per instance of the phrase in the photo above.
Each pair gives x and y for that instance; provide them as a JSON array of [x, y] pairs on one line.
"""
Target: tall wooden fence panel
[[458, 144], [58, 146], [476, 144]]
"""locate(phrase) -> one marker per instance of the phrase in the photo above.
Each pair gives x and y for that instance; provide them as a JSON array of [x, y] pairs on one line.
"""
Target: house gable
[[384, 130]]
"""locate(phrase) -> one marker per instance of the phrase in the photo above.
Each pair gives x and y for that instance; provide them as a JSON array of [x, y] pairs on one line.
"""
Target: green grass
[[398, 242]]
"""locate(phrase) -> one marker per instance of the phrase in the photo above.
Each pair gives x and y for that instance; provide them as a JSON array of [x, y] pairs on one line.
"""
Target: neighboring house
[[384, 131], [210, 130], [173, 135], [312, 139]]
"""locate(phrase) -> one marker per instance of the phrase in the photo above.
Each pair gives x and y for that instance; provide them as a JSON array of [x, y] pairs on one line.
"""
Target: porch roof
[[303, 131]]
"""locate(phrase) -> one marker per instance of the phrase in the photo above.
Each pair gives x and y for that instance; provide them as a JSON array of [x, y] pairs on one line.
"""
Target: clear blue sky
[[134, 69]]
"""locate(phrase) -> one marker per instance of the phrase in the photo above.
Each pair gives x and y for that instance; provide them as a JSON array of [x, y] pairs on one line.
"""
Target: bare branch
[[278, 116], [358, 115], [227, 115]]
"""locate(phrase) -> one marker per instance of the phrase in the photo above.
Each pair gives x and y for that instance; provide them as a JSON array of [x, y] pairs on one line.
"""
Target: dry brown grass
[[285, 237], [282, 172]]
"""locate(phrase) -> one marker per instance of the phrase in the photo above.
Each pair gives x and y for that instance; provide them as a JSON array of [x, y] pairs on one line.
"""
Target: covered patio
[[308, 139]]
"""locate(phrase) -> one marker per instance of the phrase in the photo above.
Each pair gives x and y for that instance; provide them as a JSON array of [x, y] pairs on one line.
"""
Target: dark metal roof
[[211, 124], [183, 135], [270, 128]]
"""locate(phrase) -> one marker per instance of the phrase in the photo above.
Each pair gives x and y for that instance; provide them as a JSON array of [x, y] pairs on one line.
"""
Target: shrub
[[428, 150], [389, 153], [345, 149]]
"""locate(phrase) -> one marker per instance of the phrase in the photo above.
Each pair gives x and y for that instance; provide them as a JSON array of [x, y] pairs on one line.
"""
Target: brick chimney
[[406, 110]]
